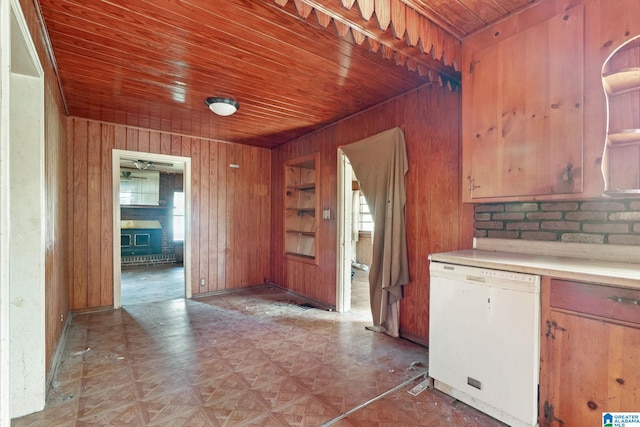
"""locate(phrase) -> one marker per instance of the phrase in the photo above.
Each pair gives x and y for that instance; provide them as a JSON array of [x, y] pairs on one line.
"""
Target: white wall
[[26, 249], [5, 24], [22, 308]]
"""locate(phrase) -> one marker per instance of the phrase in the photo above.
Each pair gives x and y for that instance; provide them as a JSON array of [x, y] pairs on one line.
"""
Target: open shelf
[[302, 233], [621, 162], [308, 211], [622, 81], [623, 194], [301, 208], [305, 187], [623, 138], [297, 255]]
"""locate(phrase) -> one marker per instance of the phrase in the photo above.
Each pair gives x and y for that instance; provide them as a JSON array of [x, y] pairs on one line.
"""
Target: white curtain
[[380, 163]]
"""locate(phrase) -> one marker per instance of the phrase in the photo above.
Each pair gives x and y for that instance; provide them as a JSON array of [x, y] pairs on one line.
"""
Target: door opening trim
[[117, 271]]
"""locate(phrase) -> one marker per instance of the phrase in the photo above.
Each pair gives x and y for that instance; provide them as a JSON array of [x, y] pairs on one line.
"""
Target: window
[[178, 216], [365, 220], [139, 187]]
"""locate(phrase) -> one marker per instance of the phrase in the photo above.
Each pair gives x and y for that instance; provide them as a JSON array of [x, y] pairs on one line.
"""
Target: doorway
[[137, 235], [353, 250]]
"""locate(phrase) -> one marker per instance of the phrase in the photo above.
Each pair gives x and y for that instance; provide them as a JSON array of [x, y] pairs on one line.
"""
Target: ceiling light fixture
[[222, 106]]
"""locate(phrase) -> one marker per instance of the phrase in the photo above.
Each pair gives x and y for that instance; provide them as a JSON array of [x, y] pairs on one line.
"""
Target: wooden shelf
[[304, 187], [622, 76], [622, 81], [301, 256], [309, 211], [301, 206], [302, 233], [623, 194], [623, 138]]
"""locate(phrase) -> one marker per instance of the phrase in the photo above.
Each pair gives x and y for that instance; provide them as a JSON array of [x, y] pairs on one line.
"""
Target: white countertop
[[610, 272]]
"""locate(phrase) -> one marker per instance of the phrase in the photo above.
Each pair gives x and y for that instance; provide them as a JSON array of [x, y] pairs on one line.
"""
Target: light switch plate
[[326, 214]]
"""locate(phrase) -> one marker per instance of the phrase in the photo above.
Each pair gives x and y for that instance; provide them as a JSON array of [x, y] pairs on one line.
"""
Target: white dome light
[[222, 106]]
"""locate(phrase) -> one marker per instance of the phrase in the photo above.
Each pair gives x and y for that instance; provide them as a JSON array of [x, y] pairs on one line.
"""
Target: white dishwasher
[[484, 336]]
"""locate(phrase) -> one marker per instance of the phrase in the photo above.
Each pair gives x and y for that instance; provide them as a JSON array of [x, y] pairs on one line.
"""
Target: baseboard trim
[[57, 355], [319, 304], [298, 296], [226, 291], [416, 339]]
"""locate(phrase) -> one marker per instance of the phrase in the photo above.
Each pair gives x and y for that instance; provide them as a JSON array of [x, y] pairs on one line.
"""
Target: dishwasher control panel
[[486, 276], [508, 275]]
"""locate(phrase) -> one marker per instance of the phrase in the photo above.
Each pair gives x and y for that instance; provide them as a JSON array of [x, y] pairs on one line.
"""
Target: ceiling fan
[[144, 165], [127, 175]]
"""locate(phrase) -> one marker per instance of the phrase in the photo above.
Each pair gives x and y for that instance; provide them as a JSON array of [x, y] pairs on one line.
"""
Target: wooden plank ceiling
[[293, 65]]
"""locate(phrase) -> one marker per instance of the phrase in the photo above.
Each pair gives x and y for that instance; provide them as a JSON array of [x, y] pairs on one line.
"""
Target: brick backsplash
[[606, 222], [147, 260]]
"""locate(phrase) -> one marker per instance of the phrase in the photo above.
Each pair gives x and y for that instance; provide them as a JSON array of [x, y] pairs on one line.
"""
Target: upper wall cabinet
[[621, 161], [522, 112]]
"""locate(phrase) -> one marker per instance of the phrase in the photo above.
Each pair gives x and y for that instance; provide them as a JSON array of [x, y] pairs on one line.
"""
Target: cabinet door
[[593, 368], [522, 103]]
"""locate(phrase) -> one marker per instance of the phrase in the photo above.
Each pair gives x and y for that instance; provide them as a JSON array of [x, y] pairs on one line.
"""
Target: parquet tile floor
[[249, 358]]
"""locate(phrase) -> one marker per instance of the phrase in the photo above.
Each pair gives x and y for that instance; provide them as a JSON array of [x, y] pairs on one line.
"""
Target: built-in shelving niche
[[621, 159], [301, 208]]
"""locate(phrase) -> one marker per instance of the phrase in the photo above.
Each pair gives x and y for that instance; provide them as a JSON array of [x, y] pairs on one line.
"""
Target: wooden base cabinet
[[590, 352]]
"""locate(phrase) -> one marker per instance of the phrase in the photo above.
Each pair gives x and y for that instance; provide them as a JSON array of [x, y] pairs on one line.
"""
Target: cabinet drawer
[[599, 300]]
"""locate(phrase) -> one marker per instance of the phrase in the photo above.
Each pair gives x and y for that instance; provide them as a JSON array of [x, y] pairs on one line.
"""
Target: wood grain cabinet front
[[590, 352], [522, 112]]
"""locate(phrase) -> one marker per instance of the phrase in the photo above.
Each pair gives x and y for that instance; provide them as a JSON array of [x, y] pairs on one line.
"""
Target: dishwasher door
[[484, 329]]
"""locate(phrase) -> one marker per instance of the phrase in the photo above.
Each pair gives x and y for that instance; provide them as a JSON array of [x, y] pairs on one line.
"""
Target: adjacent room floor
[[249, 358], [151, 284]]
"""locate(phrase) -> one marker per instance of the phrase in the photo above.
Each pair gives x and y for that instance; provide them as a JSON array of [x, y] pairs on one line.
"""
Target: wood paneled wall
[[56, 274], [231, 209], [364, 247], [436, 219], [56, 293]]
